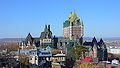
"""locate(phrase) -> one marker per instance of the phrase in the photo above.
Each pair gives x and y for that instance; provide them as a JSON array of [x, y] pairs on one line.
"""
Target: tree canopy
[[78, 52], [87, 65], [12, 46]]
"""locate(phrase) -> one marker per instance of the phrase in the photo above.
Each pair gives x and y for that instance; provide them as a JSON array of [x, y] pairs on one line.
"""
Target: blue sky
[[19, 17]]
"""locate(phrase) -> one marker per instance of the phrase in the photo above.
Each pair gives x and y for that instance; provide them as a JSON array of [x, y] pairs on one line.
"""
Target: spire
[[101, 41], [94, 40], [102, 44], [29, 35], [94, 43]]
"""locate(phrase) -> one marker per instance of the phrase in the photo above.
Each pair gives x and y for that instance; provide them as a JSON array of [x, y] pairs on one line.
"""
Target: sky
[[19, 17]]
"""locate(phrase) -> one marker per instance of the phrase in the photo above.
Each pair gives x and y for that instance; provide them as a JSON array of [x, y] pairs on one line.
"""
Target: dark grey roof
[[101, 43], [46, 33], [36, 39], [94, 40], [29, 38], [95, 43], [87, 43]]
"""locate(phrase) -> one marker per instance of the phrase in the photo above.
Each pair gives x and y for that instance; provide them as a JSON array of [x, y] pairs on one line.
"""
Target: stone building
[[40, 56], [72, 35], [73, 27], [30, 41], [97, 50], [45, 39]]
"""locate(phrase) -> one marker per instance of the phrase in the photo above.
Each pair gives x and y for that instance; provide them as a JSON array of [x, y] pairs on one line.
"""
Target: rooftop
[[59, 55]]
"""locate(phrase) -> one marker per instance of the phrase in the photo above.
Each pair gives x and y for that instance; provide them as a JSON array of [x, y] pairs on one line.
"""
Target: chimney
[[48, 27]]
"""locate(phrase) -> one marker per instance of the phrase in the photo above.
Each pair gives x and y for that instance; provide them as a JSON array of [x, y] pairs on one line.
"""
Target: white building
[[115, 61], [38, 56], [114, 49]]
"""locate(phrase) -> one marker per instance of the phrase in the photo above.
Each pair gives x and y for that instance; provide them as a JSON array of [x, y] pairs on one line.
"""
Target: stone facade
[[46, 38]]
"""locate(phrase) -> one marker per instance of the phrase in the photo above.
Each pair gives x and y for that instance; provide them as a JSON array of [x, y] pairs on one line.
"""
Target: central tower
[[73, 27]]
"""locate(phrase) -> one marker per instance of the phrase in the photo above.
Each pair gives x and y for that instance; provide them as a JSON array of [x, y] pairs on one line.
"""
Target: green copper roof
[[73, 19], [66, 23]]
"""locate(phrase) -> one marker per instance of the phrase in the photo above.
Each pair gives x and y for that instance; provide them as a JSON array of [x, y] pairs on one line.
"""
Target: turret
[[94, 41], [95, 50], [29, 37], [102, 44]]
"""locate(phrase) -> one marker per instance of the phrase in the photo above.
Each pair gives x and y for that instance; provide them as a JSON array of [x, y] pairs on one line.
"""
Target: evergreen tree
[[78, 52]]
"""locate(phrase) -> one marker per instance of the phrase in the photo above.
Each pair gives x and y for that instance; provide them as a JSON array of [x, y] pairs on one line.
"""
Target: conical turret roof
[[29, 35], [94, 40], [101, 41], [29, 38]]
